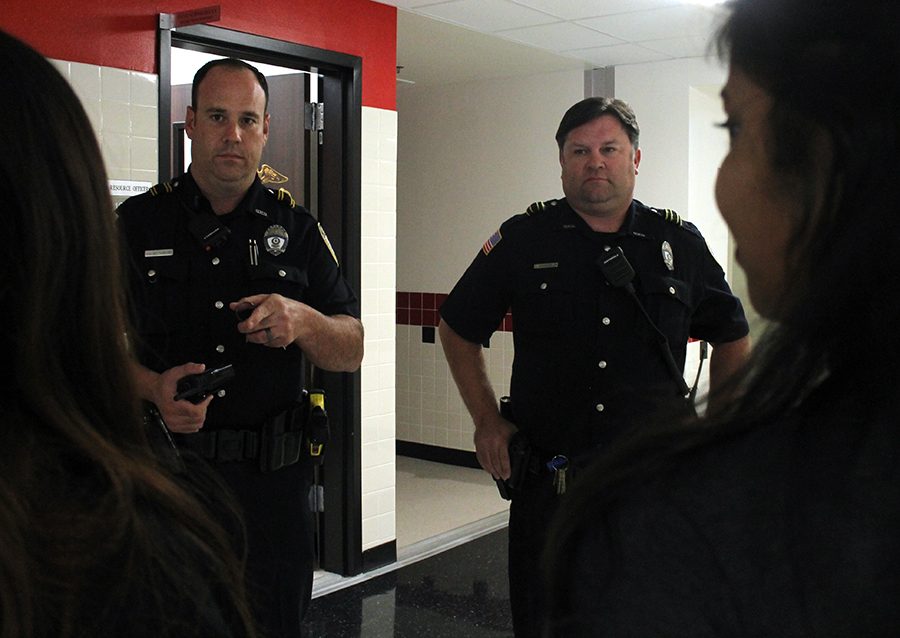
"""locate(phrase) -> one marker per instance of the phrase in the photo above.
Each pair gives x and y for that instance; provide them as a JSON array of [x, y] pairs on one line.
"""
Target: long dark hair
[[89, 521], [832, 69]]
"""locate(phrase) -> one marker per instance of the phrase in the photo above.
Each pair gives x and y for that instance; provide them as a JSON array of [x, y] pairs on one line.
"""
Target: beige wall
[[469, 156]]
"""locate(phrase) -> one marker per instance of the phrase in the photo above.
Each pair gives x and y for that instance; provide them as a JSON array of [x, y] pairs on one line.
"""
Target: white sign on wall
[[127, 188]]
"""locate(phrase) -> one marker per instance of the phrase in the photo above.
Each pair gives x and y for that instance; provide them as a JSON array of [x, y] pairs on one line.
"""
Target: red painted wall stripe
[[122, 34]]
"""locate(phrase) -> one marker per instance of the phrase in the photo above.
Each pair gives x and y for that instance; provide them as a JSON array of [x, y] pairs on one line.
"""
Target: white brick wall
[[379, 265]]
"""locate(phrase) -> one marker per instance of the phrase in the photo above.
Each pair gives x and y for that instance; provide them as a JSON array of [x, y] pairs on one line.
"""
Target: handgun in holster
[[519, 455], [317, 430]]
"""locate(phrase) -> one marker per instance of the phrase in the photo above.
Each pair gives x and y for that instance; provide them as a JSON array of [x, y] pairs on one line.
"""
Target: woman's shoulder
[[791, 524]]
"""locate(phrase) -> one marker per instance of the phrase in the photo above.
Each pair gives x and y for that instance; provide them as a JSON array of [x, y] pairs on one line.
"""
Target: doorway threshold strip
[[325, 583]]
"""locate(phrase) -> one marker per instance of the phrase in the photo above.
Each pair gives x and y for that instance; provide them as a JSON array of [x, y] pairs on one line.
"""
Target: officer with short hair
[[605, 293], [228, 272]]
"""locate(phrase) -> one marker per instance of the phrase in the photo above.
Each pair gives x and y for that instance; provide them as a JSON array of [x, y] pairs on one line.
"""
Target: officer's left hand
[[275, 321]]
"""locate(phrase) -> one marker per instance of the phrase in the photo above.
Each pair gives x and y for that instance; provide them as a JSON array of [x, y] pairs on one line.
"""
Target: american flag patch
[[492, 241]]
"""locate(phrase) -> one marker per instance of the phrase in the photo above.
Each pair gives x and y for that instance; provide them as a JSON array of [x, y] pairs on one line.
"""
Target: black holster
[[281, 437], [519, 455]]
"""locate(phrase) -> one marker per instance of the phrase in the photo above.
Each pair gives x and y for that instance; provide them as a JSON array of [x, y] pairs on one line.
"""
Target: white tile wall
[[122, 107], [378, 299], [429, 408]]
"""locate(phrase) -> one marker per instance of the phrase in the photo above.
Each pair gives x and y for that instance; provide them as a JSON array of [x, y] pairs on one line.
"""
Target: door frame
[[339, 200]]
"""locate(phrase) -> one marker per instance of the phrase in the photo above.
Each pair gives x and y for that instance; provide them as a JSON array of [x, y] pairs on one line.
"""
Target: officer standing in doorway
[[605, 293], [229, 273]]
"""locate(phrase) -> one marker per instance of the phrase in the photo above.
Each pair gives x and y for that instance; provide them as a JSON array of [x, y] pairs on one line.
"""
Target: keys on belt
[[558, 465]]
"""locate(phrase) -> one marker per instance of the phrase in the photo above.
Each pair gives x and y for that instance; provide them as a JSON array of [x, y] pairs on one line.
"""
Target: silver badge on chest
[[275, 239], [668, 257]]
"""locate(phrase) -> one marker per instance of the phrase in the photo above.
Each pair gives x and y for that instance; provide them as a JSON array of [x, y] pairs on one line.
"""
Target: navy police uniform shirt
[[587, 363], [180, 291]]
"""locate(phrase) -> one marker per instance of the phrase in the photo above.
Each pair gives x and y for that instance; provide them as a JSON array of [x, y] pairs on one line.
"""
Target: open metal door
[[313, 151]]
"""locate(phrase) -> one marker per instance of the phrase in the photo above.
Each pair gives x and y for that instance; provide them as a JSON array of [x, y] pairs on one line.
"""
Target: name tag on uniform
[[545, 266], [159, 252]]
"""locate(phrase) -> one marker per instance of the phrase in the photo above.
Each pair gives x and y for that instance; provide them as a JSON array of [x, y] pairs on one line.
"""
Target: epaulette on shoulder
[[284, 196], [163, 187], [539, 207], [670, 216]]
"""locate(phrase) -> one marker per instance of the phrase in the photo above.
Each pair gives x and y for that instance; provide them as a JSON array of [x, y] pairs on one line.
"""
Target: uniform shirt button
[[220, 393], [220, 349], [215, 261], [219, 305], [606, 321], [600, 407], [544, 286], [671, 290], [282, 273], [151, 273], [601, 365]]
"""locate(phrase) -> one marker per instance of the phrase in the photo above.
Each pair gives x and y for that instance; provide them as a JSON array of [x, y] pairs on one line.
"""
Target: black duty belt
[[273, 451]]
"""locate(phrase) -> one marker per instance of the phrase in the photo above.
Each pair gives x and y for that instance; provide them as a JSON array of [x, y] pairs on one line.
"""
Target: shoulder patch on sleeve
[[538, 207], [492, 241], [327, 243]]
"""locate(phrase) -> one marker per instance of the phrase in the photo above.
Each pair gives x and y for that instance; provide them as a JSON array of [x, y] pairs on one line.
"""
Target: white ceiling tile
[[409, 4], [486, 15], [693, 46], [560, 36], [434, 52], [522, 36], [656, 24], [579, 9], [618, 54]]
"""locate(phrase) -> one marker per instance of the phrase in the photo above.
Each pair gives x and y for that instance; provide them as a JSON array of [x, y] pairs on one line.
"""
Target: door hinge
[[314, 116]]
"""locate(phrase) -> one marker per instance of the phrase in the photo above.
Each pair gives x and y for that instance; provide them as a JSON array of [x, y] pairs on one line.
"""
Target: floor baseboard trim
[[325, 583], [448, 456]]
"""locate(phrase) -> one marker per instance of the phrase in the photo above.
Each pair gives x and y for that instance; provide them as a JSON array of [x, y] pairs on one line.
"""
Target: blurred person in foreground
[[780, 515], [96, 537]]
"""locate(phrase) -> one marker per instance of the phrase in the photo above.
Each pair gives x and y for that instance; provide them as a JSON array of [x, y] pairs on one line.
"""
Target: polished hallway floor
[[450, 574], [435, 498], [458, 593]]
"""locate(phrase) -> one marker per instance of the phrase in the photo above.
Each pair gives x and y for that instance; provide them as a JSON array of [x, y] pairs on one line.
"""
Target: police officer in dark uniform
[[228, 272], [605, 293]]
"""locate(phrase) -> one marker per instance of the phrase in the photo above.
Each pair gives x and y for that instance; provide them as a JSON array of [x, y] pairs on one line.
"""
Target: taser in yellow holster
[[317, 431]]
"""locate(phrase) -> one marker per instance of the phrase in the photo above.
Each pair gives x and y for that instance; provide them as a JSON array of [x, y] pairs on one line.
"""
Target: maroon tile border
[[422, 309]]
